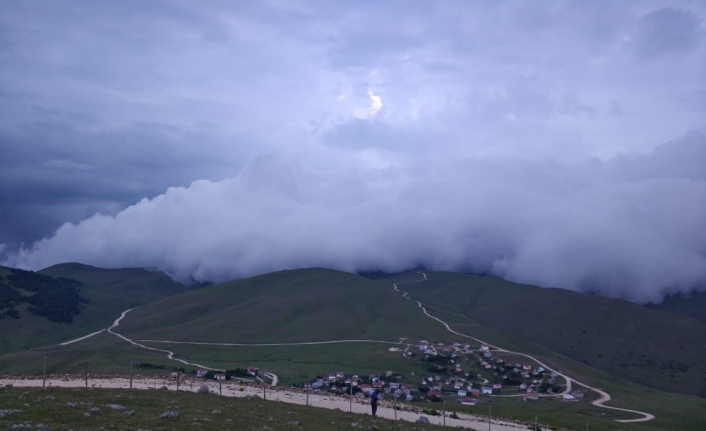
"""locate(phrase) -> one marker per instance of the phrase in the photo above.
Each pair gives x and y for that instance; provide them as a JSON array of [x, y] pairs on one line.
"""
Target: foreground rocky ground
[[70, 406]]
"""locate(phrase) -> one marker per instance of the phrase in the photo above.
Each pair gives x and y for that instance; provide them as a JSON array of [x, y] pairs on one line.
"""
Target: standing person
[[374, 401]]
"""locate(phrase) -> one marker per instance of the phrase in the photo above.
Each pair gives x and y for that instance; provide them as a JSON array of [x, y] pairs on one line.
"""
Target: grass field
[[109, 292], [286, 306], [235, 413]]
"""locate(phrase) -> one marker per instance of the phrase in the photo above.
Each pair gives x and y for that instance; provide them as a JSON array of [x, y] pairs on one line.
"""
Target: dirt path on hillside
[[604, 396]]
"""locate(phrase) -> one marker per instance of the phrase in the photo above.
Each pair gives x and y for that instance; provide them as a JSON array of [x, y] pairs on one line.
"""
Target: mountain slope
[[104, 293], [629, 341], [692, 306], [287, 306]]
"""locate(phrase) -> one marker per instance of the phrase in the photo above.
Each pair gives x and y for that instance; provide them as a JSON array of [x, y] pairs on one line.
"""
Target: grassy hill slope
[[656, 349], [286, 306], [693, 306], [108, 292]]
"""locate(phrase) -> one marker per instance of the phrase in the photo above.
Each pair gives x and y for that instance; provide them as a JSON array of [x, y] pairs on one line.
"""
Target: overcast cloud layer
[[554, 143]]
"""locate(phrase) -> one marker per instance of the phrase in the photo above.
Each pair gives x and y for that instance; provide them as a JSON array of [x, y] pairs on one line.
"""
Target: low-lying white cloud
[[630, 227]]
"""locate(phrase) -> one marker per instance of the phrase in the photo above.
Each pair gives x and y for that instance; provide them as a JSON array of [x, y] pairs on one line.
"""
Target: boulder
[[169, 414], [129, 413], [423, 419], [115, 406], [203, 389]]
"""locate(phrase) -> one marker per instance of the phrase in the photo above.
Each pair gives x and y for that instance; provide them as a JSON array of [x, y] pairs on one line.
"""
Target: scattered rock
[[203, 389], [206, 420], [164, 388], [43, 428], [290, 413], [229, 420], [195, 423], [9, 385], [423, 419], [354, 424], [374, 427], [115, 406], [95, 410], [129, 413], [49, 397], [169, 414], [215, 412], [20, 426], [295, 423], [86, 415], [266, 428], [4, 413], [70, 404]]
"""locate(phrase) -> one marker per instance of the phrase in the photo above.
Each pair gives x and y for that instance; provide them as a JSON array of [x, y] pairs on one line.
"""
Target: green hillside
[[286, 306], [629, 341], [693, 305], [102, 295]]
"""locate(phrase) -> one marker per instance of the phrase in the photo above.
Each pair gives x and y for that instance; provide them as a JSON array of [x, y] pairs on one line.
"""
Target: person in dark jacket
[[374, 401]]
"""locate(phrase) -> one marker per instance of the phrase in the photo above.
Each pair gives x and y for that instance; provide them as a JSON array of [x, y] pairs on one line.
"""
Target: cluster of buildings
[[362, 386]]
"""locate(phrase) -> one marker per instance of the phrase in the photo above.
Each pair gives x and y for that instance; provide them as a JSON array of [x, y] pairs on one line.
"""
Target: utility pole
[[130, 375], [44, 373], [488, 417], [535, 423], [86, 374], [220, 387], [178, 374], [443, 413]]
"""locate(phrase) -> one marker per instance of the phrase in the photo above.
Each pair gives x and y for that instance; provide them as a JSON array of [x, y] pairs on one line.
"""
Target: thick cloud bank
[[632, 226]]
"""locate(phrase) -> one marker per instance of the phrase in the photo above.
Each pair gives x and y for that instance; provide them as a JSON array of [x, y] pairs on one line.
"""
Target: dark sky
[[555, 143]]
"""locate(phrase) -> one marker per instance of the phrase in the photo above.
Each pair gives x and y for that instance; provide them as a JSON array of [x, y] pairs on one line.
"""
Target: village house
[[434, 393], [486, 390], [220, 377], [527, 367], [497, 386], [253, 371], [484, 346], [474, 392], [201, 372], [568, 397], [340, 374], [531, 396], [461, 393], [577, 394]]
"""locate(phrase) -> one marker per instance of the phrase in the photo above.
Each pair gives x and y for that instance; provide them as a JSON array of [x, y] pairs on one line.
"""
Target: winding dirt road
[[604, 396]]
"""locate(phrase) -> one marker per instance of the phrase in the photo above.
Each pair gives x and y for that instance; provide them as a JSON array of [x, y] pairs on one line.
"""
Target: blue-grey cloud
[[403, 131]]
